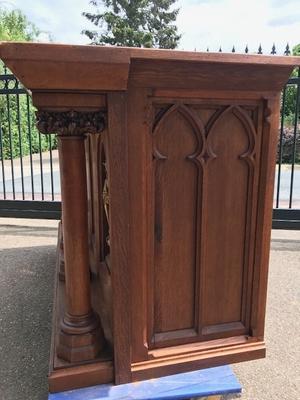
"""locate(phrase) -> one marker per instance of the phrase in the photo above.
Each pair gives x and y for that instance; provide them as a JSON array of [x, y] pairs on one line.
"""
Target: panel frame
[[119, 232], [253, 346]]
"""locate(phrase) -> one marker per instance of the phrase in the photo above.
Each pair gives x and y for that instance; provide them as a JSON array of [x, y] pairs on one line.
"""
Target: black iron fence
[[29, 176], [286, 212]]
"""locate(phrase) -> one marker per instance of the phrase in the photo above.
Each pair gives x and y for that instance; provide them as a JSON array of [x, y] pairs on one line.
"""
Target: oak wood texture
[[178, 257]]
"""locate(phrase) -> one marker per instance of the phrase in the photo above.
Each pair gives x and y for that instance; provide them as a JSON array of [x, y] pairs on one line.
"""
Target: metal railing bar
[[30, 145], [20, 144], [51, 167], [286, 213], [287, 224], [41, 165], [294, 80], [280, 147], [284, 218], [2, 159], [294, 143], [7, 77], [13, 91], [10, 146], [31, 209], [30, 205]]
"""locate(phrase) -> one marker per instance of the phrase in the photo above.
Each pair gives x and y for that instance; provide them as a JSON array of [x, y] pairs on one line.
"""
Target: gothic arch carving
[[249, 129], [195, 123]]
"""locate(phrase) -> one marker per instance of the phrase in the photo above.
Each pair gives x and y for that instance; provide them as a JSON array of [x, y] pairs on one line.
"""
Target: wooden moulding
[[62, 374], [192, 357]]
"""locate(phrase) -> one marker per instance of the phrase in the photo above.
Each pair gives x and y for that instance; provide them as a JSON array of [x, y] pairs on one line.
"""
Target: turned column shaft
[[80, 337], [75, 225]]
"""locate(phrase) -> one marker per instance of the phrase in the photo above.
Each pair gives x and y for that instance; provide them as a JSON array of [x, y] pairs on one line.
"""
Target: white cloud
[[203, 22], [61, 18]]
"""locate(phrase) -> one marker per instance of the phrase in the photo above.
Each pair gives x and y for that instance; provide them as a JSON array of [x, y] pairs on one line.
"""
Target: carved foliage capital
[[70, 123]]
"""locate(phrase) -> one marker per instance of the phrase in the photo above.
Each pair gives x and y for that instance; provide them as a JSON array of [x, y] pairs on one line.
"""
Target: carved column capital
[[70, 123]]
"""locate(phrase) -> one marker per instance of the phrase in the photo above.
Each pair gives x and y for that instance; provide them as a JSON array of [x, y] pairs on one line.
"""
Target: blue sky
[[202, 22]]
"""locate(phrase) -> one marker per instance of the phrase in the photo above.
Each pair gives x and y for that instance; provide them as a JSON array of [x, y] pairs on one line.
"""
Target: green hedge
[[15, 124], [288, 146]]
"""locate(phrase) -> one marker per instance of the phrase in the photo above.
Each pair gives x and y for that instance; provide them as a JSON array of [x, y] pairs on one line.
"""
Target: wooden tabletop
[[47, 66], [108, 54]]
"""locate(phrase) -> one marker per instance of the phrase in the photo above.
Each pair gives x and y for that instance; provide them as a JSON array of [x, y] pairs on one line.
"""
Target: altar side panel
[[229, 186], [175, 186]]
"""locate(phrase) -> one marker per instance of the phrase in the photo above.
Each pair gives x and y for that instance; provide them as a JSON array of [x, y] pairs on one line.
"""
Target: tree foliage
[[291, 94], [290, 124], [15, 26], [296, 50], [134, 23], [17, 115]]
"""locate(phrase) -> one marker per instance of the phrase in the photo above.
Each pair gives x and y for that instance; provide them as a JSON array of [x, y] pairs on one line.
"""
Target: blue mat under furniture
[[205, 382]]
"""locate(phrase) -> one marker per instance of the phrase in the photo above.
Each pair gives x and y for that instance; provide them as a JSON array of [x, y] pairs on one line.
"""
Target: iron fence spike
[[287, 51]]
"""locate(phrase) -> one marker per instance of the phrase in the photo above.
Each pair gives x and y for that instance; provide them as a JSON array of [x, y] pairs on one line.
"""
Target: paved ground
[[27, 257]]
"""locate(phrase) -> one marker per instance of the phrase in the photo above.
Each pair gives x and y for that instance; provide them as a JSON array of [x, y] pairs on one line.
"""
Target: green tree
[[289, 118], [134, 23], [296, 50], [15, 26], [291, 93], [17, 115]]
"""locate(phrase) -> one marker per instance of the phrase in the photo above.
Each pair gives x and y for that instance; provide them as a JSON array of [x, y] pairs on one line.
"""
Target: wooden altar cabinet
[[167, 163]]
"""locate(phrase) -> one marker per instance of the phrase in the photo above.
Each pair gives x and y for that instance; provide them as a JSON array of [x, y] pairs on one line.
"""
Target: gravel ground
[[27, 259]]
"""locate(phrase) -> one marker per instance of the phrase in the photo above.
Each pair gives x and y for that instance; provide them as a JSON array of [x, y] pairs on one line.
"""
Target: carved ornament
[[70, 123]]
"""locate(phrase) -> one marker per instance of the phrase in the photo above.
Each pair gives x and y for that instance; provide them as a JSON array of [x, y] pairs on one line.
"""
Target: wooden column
[[81, 335]]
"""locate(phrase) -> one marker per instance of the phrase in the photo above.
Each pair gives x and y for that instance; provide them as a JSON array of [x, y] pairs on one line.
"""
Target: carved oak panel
[[176, 142], [204, 193]]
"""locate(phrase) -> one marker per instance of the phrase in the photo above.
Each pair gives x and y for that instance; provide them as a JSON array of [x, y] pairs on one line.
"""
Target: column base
[[80, 338], [65, 374]]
